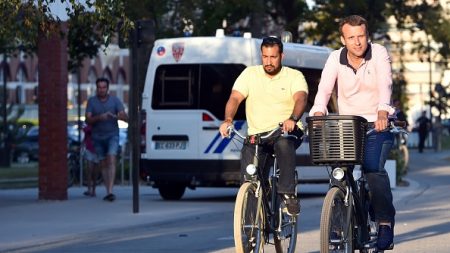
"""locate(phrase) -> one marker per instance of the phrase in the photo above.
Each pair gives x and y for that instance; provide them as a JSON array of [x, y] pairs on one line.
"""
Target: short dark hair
[[272, 41], [353, 20], [102, 79]]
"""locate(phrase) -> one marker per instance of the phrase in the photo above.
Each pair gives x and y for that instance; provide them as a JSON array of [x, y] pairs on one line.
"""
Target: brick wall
[[52, 55]]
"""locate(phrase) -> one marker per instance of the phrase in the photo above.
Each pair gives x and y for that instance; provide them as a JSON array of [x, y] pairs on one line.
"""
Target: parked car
[[28, 148]]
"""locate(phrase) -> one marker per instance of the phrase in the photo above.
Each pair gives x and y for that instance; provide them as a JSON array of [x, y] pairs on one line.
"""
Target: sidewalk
[[26, 221]]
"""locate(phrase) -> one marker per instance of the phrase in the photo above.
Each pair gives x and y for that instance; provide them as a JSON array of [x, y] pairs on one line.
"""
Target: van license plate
[[178, 145]]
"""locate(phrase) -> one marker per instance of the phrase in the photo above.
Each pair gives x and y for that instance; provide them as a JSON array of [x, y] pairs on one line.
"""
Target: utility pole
[[4, 134], [430, 91], [142, 36]]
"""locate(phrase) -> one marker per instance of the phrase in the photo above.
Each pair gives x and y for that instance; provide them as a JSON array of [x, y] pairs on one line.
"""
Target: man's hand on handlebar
[[288, 125], [382, 121], [224, 128]]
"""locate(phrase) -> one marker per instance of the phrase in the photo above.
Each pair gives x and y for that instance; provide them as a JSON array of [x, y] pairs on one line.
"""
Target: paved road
[[201, 222], [423, 218]]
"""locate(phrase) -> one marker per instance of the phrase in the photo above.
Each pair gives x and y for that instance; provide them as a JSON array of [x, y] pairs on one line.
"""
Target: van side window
[[196, 86], [312, 77]]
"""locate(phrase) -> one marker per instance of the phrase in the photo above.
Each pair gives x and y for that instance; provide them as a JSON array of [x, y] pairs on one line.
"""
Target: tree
[[201, 18], [327, 14], [92, 25], [428, 19]]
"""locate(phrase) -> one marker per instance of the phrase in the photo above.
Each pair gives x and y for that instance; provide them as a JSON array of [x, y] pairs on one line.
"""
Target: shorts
[[90, 156], [107, 146]]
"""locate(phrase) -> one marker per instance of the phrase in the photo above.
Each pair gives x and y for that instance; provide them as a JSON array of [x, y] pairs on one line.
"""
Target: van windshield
[[195, 87], [208, 86]]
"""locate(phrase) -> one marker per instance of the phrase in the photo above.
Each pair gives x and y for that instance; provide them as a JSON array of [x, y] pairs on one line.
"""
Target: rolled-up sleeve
[[384, 79]]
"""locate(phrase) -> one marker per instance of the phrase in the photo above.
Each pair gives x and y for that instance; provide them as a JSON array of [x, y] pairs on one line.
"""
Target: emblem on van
[[177, 50], [161, 51]]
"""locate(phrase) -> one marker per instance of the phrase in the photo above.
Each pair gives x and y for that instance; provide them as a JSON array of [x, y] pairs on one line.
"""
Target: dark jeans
[[422, 138], [284, 149], [378, 146]]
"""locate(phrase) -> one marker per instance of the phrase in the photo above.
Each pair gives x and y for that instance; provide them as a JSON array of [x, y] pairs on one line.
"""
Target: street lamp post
[[4, 138], [430, 78]]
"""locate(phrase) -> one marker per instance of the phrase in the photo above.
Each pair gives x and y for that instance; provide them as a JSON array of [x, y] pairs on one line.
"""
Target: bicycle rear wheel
[[336, 232], [404, 155], [285, 237], [248, 221]]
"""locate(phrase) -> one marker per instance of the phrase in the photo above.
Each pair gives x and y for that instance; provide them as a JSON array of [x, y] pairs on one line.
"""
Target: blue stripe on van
[[212, 143], [222, 145]]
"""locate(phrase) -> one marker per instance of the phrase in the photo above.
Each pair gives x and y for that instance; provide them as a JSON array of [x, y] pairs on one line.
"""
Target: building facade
[[22, 72]]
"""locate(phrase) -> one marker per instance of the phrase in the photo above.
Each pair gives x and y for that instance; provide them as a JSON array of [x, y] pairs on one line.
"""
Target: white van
[[187, 85]]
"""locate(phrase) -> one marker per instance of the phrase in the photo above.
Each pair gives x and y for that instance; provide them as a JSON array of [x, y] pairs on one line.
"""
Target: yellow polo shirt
[[269, 101]]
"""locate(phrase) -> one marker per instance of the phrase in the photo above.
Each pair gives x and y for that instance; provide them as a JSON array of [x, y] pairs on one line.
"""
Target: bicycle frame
[[262, 190], [268, 217], [356, 193], [339, 141]]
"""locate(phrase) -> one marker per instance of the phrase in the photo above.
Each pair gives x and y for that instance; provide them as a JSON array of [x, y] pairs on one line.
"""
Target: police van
[[187, 85]]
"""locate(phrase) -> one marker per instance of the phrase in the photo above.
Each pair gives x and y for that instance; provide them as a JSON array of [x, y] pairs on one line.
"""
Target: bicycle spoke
[[248, 223], [336, 235]]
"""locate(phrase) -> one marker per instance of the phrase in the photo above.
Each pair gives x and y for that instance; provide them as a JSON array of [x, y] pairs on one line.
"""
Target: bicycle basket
[[337, 139]]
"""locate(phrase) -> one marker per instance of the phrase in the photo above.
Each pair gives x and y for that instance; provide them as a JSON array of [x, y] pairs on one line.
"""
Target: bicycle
[[76, 162], [400, 147], [260, 215], [346, 222]]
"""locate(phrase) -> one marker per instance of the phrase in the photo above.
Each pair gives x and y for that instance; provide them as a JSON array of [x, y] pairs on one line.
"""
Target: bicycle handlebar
[[395, 126], [262, 137]]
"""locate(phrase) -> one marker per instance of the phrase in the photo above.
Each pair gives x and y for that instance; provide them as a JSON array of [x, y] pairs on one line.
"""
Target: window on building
[[120, 84], [92, 77], [21, 77]]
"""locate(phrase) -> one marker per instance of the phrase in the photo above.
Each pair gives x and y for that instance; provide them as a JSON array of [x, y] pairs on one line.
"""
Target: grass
[[16, 171], [19, 176]]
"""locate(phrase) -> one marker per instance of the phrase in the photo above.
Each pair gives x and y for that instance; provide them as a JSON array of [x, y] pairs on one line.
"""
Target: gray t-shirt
[[106, 128]]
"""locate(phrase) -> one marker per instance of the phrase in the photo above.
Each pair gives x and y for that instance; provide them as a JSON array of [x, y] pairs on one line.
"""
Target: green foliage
[[202, 18], [327, 14], [92, 25], [21, 21]]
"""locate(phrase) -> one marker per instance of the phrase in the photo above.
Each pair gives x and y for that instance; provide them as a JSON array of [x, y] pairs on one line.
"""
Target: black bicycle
[[346, 223], [75, 162], [260, 215]]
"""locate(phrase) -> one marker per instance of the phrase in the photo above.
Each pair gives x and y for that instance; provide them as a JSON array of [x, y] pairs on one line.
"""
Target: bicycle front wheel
[[336, 228], [248, 220], [285, 237]]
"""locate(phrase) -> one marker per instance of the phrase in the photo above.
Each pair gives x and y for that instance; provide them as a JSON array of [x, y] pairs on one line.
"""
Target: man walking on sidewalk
[[102, 112]]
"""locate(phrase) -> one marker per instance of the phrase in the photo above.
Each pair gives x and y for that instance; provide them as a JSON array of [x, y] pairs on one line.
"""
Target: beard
[[272, 71]]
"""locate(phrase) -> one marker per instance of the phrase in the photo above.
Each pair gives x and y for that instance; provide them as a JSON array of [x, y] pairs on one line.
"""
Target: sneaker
[[292, 205], [385, 238]]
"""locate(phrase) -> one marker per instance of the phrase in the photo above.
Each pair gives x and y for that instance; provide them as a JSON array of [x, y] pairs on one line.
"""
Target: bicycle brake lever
[[370, 131]]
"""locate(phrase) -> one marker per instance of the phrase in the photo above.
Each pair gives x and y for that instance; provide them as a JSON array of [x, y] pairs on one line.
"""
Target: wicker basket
[[336, 140]]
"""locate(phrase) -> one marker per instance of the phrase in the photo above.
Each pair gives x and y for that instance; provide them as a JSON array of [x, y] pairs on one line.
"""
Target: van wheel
[[171, 191]]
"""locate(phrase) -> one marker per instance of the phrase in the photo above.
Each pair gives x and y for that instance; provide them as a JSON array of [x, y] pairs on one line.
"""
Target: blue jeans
[[378, 146], [107, 146]]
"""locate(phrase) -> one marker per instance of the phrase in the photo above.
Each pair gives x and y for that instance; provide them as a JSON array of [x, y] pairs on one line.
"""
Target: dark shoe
[[110, 197], [292, 205], [334, 237], [385, 238]]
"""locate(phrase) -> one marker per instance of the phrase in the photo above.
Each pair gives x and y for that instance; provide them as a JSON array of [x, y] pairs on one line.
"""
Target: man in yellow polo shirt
[[274, 94]]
